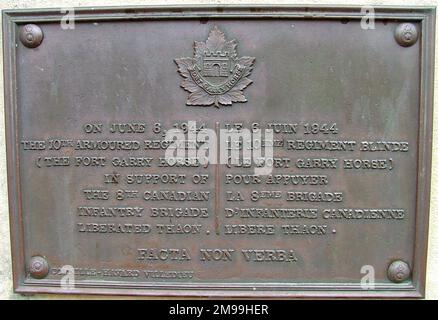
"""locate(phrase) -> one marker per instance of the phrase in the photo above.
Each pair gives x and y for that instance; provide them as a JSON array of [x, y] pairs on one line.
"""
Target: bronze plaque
[[97, 98]]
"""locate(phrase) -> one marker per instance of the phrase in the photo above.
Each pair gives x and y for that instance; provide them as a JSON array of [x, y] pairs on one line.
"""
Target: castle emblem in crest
[[215, 75]]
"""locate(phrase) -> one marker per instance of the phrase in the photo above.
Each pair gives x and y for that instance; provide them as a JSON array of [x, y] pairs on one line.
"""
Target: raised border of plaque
[[425, 16]]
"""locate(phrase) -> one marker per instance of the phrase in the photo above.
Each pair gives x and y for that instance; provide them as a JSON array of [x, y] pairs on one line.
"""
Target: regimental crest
[[215, 75]]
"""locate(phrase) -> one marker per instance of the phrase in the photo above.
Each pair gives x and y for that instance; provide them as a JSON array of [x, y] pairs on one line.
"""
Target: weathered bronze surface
[[94, 208]]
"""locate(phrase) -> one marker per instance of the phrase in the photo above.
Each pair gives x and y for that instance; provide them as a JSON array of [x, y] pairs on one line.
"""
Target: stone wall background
[[6, 291]]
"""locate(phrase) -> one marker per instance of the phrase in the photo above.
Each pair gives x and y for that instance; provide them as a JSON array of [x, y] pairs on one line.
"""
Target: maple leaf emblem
[[215, 75]]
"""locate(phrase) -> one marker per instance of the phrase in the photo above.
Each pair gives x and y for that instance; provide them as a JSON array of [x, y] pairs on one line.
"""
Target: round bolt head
[[31, 35], [406, 34], [38, 267], [398, 271]]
